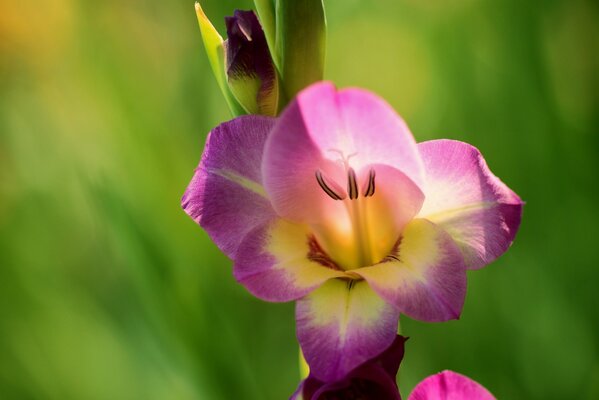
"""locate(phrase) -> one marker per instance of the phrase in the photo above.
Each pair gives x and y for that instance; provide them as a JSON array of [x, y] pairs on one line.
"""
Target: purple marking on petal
[[464, 197], [274, 262], [449, 385], [216, 197]]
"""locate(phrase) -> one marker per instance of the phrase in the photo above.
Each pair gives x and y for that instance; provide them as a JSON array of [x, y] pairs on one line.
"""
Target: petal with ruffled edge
[[281, 261], [464, 197], [318, 130], [450, 385], [341, 325], [425, 278], [225, 195]]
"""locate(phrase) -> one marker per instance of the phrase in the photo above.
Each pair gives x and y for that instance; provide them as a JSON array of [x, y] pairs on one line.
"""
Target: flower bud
[[251, 73]]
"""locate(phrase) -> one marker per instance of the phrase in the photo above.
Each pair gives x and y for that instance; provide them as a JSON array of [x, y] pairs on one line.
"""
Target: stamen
[[352, 184], [369, 189], [330, 188]]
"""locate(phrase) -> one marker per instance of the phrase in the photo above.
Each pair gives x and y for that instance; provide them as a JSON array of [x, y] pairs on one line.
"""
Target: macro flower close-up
[[292, 199], [335, 205]]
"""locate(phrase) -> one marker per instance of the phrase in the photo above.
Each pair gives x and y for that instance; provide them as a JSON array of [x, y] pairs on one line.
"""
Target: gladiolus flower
[[333, 204], [376, 379]]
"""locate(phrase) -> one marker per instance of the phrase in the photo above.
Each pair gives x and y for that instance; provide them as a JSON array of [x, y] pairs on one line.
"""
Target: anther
[[333, 190], [352, 184], [368, 190]]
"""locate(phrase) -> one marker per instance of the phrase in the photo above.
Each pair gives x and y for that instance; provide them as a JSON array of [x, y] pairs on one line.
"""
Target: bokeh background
[[109, 291]]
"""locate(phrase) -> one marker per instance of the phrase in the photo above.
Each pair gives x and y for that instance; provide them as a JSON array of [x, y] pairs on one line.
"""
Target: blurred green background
[[109, 291]]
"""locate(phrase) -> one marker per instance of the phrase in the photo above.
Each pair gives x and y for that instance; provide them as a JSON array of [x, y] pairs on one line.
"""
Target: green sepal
[[266, 14], [213, 44], [300, 43]]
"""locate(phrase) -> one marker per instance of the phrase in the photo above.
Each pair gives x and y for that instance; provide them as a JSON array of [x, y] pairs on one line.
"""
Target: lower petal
[[450, 385], [279, 261], [341, 325], [426, 279]]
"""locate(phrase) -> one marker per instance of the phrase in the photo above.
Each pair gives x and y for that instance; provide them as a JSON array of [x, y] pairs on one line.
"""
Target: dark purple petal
[[374, 379], [372, 383]]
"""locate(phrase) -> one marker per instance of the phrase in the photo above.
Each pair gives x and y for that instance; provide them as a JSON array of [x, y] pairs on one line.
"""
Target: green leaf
[[300, 43], [266, 14], [213, 44]]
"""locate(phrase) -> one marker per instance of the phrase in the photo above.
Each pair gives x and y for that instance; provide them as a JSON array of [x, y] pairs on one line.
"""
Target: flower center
[[354, 238]]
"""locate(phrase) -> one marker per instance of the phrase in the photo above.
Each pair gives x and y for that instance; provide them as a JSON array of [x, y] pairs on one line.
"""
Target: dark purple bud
[[251, 73], [375, 379]]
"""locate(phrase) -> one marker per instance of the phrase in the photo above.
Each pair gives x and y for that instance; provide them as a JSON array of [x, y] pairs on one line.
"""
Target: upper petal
[[426, 279], [225, 195], [464, 197], [341, 325], [279, 261], [321, 129], [448, 385]]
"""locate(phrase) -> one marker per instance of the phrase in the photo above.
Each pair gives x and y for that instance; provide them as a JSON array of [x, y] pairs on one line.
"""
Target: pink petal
[[321, 127], [464, 197], [448, 385], [225, 195], [341, 325], [426, 280]]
